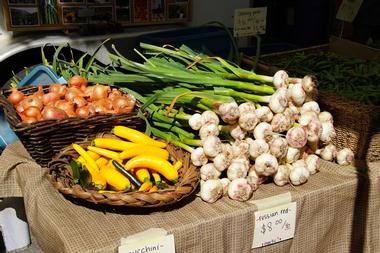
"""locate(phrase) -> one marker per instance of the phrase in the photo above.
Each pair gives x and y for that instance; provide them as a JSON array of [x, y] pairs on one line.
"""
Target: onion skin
[[33, 112], [58, 89], [77, 81], [50, 98], [31, 101], [123, 104], [16, 96], [66, 106], [100, 91], [51, 112], [72, 93], [82, 112]]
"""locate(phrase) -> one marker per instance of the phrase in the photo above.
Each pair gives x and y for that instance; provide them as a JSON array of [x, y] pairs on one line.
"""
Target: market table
[[327, 206]]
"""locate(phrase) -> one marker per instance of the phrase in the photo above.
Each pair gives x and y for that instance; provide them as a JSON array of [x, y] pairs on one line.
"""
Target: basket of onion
[[47, 118]]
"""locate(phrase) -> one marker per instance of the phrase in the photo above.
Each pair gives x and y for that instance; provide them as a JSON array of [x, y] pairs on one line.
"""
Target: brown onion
[[72, 93], [114, 94], [79, 101], [31, 101], [88, 91], [58, 89], [33, 112], [16, 96], [123, 104], [82, 112], [99, 92], [78, 82], [97, 109], [39, 93], [51, 112], [50, 98], [28, 120], [66, 106]]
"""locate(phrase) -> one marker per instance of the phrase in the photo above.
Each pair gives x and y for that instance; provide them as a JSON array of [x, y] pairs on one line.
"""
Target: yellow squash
[[113, 144], [145, 187], [101, 161], [146, 150], [114, 178], [142, 175], [154, 163], [136, 136], [105, 152], [177, 165]]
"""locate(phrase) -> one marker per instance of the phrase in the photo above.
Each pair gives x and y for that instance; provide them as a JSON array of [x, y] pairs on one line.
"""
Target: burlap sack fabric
[[325, 215]]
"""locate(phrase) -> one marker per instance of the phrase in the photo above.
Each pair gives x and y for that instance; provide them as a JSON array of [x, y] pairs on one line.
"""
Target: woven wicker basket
[[60, 175], [43, 139], [357, 125]]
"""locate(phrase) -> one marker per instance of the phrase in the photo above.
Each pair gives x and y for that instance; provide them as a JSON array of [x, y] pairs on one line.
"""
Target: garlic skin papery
[[240, 190], [313, 163], [278, 101], [237, 169], [253, 179], [227, 150], [198, 157], [221, 162], [299, 174], [212, 146], [280, 123], [209, 117], [293, 154], [248, 121], [209, 129], [296, 137], [278, 147], [314, 130], [225, 182], [311, 106], [306, 117], [327, 153], [266, 165], [229, 112], [328, 132], [247, 107], [345, 156], [325, 117], [309, 83], [264, 114], [237, 132], [208, 171], [281, 177], [258, 147], [297, 94], [263, 130], [280, 79], [211, 190], [240, 148], [195, 121]]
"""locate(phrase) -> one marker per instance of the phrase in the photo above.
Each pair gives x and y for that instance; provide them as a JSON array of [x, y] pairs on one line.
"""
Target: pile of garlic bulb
[[245, 145]]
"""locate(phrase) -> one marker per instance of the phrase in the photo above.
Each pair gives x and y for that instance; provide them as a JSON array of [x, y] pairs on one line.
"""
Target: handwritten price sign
[[274, 225], [250, 21]]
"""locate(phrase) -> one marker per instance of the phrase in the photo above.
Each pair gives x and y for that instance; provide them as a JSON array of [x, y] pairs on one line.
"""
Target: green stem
[[250, 97], [174, 129], [192, 142], [171, 138]]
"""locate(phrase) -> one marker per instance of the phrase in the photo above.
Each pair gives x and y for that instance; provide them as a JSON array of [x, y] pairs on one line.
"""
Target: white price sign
[[348, 10], [274, 225], [250, 21]]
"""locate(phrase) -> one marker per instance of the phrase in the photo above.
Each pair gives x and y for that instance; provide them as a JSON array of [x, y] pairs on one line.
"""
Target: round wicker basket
[[60, 175]]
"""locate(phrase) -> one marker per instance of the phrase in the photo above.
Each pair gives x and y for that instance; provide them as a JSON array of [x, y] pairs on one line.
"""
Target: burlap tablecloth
[[326, 210]]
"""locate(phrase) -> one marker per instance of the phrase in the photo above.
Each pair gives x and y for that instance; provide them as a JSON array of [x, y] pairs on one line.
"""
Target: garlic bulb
[[312, 163], [327, 153], [240, 190], [345, 156], [264, 114], [309, 83], [296, 137], [240, 148], [209, 129], [211, 190], [328, 132], [280, 123], [198, 157], [325, 117], [306, 117], [221, 162], [209, 117], [208, 171], [225, 182], [237, 133], [227, 150], [299, 174], [229, 112], [247, 107], [314, 130], [281, 177], [195, 121], [311, 106], [297, 94], [280, 79], [253, 179], [263, 130], [266, 165], [248, 121], [212, 146], [293, 154], [258, 147], [237, 169], [278, 147], [278, 101]]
